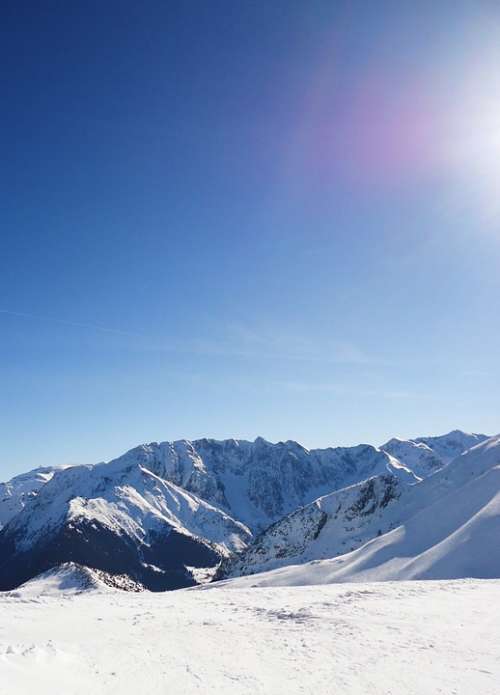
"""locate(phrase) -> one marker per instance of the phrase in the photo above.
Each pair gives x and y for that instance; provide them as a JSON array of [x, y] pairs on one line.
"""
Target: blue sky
[[239, 219]]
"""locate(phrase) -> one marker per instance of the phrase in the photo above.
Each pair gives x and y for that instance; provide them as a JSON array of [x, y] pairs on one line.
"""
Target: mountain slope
[[120, 518], [331, 525], [452, 531]]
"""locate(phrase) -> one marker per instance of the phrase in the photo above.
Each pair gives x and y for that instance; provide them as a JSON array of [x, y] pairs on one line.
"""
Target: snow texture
[[418, 638]]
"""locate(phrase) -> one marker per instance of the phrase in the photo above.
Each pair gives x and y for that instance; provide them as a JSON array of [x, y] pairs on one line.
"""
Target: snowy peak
[[417, 456], [70, 579], [346, 520], [15, 494], [426, 455], [449, 446]]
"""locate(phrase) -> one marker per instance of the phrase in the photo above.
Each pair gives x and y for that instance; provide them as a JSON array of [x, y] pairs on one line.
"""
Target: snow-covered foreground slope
[[452, 530], [419, 638]]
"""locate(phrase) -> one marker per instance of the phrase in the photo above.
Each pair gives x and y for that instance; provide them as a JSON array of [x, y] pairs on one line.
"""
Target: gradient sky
[[232, 219]]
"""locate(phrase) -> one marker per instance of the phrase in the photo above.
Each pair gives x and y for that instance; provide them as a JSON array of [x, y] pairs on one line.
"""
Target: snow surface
[[411, 638]]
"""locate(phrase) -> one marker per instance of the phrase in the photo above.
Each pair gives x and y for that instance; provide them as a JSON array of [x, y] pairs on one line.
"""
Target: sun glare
[[471, 133]]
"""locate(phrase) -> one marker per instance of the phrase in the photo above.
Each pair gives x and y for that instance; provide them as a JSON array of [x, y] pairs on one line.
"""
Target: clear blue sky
[[246, 218]]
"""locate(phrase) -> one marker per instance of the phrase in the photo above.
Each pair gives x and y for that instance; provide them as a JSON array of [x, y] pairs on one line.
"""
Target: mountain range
[[175, 514]]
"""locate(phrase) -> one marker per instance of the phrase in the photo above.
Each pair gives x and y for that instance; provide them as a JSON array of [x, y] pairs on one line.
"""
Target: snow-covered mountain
[[344, 521], [259, 482], [331, 525], [426, 455], [70, 579], [15, 493], [451, 531], [121, 518], [167, 514], [419, 457], [449, 446]]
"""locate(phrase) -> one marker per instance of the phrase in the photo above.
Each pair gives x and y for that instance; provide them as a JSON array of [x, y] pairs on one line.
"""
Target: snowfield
[[61, 634]]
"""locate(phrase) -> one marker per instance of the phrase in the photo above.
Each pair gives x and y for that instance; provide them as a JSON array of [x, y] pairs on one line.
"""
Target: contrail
[[64, 322]]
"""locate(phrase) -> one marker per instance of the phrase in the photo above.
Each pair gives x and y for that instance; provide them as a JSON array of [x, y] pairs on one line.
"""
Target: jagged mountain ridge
[[162, 512], [344, 521], [259, 482], [201, 465]]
